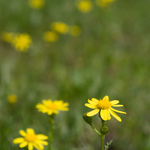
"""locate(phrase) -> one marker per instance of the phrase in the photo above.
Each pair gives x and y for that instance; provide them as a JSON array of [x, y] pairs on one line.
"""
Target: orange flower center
[[52, 106], [104, 104], [30, 137]]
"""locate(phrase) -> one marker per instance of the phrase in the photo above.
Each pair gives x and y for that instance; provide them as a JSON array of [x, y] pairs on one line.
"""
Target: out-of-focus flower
[[50, 36], [52, 107], [7, 36], [12, 98], [104, 107], [74, 30], [22, 42], [60, 27], [84, 6], [31, 140], [104, 3], [37, 4]]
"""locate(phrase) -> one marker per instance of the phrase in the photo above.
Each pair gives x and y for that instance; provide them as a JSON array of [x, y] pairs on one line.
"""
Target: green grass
[[111, 57]]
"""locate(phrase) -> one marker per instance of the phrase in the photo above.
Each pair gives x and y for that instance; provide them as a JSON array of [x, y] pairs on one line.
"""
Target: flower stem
[[102, 135], [95, 130], [51, 131]]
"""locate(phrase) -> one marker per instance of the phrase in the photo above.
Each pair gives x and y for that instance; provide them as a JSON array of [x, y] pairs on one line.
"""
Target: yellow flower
[[7, 36], [31, 140], [22, 42], [50, 36], [85, 6], [104, 3], [12, 99], [51, 107], [36, 3], [104, 106], [60, 27], [74, 31]]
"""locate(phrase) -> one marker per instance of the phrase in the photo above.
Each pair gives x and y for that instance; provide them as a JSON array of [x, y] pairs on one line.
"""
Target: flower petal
[[43, 142], [22, 133], [90, 105], [30, 146], [25, 143], [30, 131], [42, 137], [114, 102], [18, 140], [115, 115], [106, 98], [95, 100], [105, 115], [118, 111], [117, 105], [93, 112]]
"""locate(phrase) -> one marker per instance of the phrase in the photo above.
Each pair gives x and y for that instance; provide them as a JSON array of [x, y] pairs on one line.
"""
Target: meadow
[[108, 54]]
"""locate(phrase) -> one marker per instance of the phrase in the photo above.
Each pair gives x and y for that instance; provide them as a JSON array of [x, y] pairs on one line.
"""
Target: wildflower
[[84, 6], [74, 31], [50, 36], [12, 99], [104, 106], [22, 42], [60, 27], [51, 107], [7, 36], [104, 3], [36, 3], [31, 140]]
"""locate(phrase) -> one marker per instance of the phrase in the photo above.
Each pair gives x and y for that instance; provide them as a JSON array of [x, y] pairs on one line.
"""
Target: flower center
[[104, 104], [30, 137], [52, 106]]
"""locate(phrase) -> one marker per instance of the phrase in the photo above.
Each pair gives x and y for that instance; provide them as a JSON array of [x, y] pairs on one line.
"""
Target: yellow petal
[[30, 146], [118, 111], [105, 115], [25, 143], [22, 133], [106, 98], [114, 102], [18, 140], [90, 106], [95, 100], [42, 137], [115, 115], [93, 112], [29, 130], [43, 142], [117, 105]]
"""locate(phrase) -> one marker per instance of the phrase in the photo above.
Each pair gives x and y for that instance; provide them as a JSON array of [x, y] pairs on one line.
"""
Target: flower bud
[[87, 119], [104, 130]]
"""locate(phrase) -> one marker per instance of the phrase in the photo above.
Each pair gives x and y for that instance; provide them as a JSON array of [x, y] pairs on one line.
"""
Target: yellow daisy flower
[[104, 3], [104, 106], [31, 140], [84, 6], [60, 27], [22, 42], [50, 36], [37, 4], [51, 107], [12, 99]]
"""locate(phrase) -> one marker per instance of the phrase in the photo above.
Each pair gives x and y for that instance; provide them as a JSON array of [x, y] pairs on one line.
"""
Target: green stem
[[51, 131], [102, 136], [95, 130]]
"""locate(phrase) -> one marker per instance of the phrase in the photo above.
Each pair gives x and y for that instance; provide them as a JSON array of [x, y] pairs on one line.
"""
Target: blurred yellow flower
[[84, 6], [7, 36], [31, 140], [74, 30], [12, 99], [22, 42], [36, 3], [50, 36], [60, 27], [104, 3], [51, 107], [104, 106]]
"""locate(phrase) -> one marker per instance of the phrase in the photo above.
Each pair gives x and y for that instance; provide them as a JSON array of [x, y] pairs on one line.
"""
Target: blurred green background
[[110, 57]]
